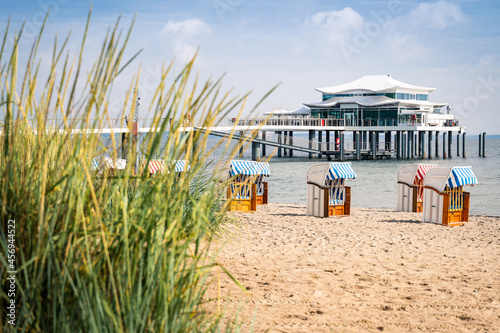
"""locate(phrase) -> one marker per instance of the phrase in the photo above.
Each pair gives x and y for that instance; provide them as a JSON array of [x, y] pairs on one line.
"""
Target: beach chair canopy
[[95, 164], [409, 173], [249, 168], [320, 174], [182, 166], [438, 178], [155, 166], [119, 163], [159, 166]]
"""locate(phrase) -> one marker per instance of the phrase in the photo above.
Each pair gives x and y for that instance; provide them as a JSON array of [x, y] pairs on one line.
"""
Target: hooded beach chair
[[247, 188], [160, 166], [411, 187], [154, 166], [114, 165], [327, 194], [445, 201], [95, 164], [181, 166]]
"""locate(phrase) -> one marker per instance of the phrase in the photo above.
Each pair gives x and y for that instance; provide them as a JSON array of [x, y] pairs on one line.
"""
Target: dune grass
[[97, 252]]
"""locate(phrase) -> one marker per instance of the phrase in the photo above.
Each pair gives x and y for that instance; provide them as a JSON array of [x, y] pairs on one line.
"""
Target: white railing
[[298, 122]]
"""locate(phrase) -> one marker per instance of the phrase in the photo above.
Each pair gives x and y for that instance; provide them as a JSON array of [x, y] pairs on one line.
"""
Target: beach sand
[[376, 270]]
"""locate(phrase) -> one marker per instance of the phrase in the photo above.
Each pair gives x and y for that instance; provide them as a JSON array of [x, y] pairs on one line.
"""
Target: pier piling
[[342, 153], [280, 141], [450, 139], [240, 152], [429, 144], [311, 140], [398, 144], [255, 151], [436, 147], [374, 143], [358, 144], [480, 145], [320, 143], [484, 144], [263, 147], [463, 146], [444, 145]]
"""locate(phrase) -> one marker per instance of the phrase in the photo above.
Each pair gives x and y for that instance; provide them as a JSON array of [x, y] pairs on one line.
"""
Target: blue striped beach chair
[[95, 164], [445, 201], [327, 193], [247, 188]]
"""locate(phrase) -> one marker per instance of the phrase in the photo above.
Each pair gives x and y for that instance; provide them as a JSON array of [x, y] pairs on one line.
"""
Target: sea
[[376, 183]]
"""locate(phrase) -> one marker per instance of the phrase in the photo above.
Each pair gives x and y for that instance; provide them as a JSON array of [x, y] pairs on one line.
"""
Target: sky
[[453, 46]]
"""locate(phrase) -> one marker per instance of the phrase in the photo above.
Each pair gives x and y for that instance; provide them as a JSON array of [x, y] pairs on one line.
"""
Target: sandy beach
[[376, 270]]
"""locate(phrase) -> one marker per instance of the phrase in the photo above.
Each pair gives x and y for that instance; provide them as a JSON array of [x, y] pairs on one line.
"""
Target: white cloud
[[190, 27], [337, 26], [439, 15], [185, 37]]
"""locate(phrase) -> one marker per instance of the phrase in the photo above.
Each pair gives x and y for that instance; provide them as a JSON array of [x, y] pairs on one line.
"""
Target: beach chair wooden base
[[243, 205], [420, 207], [247, 205], [336, 210], [459, 217], [438, 210]]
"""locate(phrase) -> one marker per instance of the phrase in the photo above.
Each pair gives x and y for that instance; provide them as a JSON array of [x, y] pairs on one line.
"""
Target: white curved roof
[[300, 111], [372, 101], [375, 83], [361, 100]]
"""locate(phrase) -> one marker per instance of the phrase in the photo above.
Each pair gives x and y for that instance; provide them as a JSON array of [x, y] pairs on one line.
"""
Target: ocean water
[[376, 182]]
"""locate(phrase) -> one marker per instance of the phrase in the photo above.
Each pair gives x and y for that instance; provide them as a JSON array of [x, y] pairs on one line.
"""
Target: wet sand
[[376, 270]]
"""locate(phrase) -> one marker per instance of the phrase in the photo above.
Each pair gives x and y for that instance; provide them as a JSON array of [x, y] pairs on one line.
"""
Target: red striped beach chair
[[411, 187]]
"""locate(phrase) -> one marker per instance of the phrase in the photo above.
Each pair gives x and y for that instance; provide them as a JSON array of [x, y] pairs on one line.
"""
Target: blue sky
[[453, 46]]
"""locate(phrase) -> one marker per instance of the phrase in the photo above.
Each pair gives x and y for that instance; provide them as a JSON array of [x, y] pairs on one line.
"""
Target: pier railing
[[299, 122]]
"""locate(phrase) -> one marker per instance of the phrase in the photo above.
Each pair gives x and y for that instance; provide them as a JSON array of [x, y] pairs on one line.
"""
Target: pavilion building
[[379, 100]]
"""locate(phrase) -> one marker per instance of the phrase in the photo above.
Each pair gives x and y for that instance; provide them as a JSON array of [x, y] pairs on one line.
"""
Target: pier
[[333, 139]]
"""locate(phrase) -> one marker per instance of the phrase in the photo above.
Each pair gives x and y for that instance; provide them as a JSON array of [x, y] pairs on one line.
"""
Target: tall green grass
[[98, 252]]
